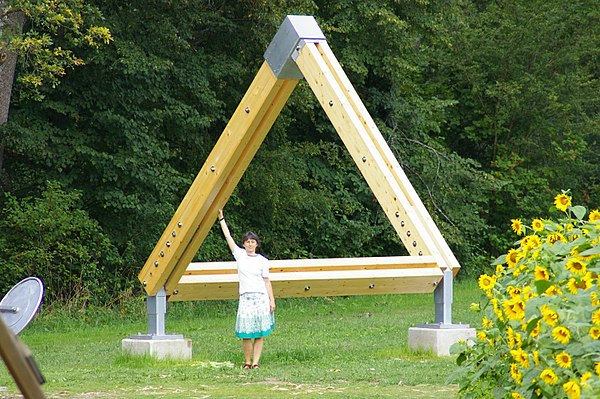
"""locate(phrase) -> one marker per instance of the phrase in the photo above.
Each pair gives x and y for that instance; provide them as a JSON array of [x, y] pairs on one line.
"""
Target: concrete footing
[[164, 348], [438, 338]]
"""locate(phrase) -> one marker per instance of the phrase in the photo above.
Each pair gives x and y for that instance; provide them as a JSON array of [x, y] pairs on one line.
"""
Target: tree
[[525, 75]]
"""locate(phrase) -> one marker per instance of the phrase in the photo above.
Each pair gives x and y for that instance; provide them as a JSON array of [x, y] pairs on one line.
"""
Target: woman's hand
[[272, 306]]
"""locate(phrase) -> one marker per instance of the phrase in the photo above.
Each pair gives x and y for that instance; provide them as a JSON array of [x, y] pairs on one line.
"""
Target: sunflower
[[584, 378], [597, 368], [537, 225], [520, 356], [548, 377], [594, 215], [516, 395], [554, 237], [549, 316], [561, 334], [563, 360], [595, 332], [562, 202], [513, 291], [513, 256], [514, 308], [536, 330], [596, 317], [530, 242], [572, 286], [572, 389], [517, 226], [486, 322], [553, 290], [486, 283], [541, 273], [515, 373], [576, 266]]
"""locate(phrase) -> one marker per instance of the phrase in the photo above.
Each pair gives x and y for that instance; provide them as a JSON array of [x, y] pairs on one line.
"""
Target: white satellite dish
[[21, 303]]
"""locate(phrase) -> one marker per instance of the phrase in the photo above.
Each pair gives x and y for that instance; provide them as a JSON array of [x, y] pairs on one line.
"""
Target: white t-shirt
[[251, 271]]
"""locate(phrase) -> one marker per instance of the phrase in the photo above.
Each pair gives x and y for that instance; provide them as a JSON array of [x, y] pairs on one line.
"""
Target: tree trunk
[[12, 22]]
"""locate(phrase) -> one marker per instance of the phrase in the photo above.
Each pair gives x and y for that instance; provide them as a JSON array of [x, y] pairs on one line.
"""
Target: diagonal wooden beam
[[215, 182], [387, 155], [351, 121]]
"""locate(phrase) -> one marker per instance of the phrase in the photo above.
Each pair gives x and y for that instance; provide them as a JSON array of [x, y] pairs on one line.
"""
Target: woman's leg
[[247, 345], [258, 346]]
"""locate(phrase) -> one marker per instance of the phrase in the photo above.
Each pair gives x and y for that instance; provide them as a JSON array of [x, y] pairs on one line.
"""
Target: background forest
[[491, 108]]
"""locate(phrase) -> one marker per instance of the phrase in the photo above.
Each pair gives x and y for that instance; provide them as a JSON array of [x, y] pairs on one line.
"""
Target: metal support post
[[157, 309], [156, 305], [442, 297]]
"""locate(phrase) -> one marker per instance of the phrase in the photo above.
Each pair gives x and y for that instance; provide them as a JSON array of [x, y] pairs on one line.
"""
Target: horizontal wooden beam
[[316, 277]]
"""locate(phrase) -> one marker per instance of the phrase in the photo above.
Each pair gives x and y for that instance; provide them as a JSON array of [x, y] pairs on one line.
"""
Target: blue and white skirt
[[254, 319]]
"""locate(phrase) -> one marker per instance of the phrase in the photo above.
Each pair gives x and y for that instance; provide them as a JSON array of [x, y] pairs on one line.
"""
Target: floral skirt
[[254, 319]]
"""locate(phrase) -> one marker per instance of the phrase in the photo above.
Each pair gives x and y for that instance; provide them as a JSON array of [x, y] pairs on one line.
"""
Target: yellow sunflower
[[486, 322], [553, 290], [549, 316], [561, 334], [596, 317], [554, 237], [531, 242], [584, 379], [594, 215], [514, 308], [515, 373], [572, 389], [562, 202], [563, 360], [517, 226], [595, 332], [548, 376], [576, 266], [516, 395], [536, 330], [541, 273], [520, 356], [486, 283], [513, 256], [537, 225]]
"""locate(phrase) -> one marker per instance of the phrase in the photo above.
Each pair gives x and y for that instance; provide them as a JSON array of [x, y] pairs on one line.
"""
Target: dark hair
[[251, 236]]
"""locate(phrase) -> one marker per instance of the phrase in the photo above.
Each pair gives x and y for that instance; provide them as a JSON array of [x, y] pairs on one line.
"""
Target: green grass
[[340, 347]]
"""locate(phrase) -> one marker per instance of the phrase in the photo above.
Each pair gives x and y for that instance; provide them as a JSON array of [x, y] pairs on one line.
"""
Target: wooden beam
[[375, 168], [328, 264], [212, 187], [20, 363], [323, 277], [314, 283], [386, 153]]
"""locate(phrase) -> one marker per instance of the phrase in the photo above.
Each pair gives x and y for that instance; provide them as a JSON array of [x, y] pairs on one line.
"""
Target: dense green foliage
[[490, 107]]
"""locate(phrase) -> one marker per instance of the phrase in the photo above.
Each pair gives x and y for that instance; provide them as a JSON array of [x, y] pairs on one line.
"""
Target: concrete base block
[[438, 339], [180, 349]]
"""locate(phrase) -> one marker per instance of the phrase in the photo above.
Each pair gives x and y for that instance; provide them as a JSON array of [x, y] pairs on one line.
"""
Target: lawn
[[338, 347]]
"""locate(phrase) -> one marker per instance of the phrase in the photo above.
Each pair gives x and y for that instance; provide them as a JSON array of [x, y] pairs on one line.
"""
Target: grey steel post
[[157, 309], [442, 296]]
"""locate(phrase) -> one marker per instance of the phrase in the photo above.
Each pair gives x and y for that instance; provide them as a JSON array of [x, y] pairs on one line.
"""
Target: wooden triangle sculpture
[[299, 50]]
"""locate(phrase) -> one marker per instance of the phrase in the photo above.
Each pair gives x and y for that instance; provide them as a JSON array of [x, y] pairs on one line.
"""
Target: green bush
[[540, 334], [52, 238]]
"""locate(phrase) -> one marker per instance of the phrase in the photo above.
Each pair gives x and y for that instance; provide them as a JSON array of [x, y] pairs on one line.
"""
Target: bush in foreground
[[541, 314]]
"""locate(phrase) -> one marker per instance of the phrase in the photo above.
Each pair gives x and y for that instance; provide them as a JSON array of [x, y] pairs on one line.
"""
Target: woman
[[255, 317]]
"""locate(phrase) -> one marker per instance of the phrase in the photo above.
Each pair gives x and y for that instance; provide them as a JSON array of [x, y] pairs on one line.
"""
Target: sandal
[[255, 366], [247, 366]]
